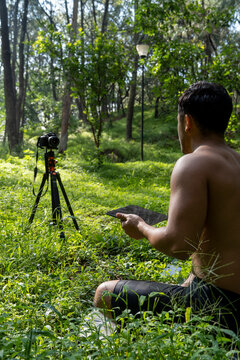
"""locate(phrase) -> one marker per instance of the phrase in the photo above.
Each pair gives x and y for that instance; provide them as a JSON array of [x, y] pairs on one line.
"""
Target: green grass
[[47, 284]]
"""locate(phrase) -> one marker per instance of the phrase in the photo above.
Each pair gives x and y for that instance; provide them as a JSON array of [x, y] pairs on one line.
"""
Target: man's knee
[[103, 297]]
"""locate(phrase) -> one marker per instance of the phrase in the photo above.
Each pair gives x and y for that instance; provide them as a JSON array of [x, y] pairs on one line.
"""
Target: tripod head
[[50, 162], [49, 141]]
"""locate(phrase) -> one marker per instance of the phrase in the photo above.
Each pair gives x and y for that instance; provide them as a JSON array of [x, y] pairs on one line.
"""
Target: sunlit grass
[[48, 284]]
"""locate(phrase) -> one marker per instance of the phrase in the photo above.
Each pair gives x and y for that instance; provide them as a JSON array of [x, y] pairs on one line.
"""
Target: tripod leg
[[38, 198], [56, 207], [67, 201]]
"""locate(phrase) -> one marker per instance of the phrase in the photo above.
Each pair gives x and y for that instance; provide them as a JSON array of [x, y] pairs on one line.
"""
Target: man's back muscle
[[218, 255]]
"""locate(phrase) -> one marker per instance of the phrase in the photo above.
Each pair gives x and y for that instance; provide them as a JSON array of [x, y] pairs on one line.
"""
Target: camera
[[50, 141]]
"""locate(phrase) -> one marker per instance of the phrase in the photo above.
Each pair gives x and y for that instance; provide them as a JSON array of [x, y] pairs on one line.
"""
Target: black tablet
[[149, 216]]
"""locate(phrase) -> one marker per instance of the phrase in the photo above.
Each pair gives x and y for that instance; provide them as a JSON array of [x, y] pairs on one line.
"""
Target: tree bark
[[67, 100], [82, 115], [94, 12], [209, 46], [131, 101], [66, 112], [120, 100], [9, 91], [66, 9], [93, 22], [22, 87], [22, 124], [105, 17], [133, 86], [156, 112], [15, 39], [104, 104], [81, 103], [52, 72]]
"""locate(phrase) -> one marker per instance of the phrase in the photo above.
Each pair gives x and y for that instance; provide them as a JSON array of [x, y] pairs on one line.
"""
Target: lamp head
[[142, 50]]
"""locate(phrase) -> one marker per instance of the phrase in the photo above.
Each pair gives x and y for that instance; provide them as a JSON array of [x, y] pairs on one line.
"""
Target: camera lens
[[53, 141]]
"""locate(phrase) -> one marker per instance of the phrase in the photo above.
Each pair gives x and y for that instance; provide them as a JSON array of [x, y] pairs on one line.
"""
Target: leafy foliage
[[191, 41], [94, 68]]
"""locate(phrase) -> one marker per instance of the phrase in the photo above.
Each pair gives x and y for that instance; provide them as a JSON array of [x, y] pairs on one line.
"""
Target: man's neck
[[211, 140]]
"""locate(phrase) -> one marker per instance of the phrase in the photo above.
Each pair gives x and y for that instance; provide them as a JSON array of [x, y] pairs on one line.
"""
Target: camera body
[[50, 141]]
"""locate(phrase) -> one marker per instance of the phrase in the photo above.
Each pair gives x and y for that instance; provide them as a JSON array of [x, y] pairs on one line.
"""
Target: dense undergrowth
[[48, 283]]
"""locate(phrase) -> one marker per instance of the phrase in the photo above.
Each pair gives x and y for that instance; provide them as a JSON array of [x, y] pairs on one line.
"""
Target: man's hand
[[131, 224]]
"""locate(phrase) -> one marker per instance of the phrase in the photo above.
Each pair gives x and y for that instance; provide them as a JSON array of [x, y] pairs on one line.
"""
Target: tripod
[[56, 207]]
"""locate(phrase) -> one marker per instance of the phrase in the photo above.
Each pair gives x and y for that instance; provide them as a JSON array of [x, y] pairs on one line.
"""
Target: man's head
[[209, 105]]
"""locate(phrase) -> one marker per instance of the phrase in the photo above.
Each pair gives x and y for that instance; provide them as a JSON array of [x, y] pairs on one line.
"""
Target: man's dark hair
[[209, 104]]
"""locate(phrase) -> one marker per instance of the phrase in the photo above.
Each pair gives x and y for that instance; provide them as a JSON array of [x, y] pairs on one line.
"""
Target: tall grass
[[47, 283]]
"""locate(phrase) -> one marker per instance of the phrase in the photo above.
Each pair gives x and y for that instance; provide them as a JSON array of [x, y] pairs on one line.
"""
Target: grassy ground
[[47, 283]]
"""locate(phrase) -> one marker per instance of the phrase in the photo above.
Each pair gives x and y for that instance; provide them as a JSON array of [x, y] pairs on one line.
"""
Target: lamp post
[[142, 50]]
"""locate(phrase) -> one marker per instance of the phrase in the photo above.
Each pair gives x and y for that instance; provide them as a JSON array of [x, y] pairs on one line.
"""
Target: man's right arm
[[187, 212]]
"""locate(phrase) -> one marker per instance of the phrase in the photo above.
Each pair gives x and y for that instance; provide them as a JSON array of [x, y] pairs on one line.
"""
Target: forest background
[[67, 64], [71, 67]]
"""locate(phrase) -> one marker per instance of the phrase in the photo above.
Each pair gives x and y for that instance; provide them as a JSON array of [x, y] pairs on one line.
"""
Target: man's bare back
[[217, 259]]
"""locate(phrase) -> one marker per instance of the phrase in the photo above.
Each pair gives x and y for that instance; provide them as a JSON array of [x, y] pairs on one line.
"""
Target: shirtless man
[[203, 220]]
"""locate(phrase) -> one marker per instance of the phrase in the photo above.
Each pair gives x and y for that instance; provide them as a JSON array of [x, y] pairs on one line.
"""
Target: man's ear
[[188, 123]]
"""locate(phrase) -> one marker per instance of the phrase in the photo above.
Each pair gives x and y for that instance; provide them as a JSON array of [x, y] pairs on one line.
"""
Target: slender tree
[[22, 78], [80, 101], [133, 83], [9, 90], [67, 99], [14, 100]]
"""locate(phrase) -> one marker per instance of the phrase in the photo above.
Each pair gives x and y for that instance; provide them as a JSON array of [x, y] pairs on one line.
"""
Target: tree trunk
[[131, 101], [82, 115], [94, 12], [52, 71], [209, 46], [104, 104], [22, 88], [67, 100], [105, 17], [81, 102], [156, 113], [93, 22], [66, 112], [133, 85], [75, 16], [15, 39], [9, 91], [66, 9], [120, 99], [22, 124]]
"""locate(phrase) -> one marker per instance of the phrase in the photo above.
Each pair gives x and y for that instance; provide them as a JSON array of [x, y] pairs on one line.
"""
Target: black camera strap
[[35, 171]]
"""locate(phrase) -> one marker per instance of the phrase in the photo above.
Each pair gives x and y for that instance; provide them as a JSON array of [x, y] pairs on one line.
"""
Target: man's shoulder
[[203, 157], [192, 163], [205, 162], [193, 168]]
